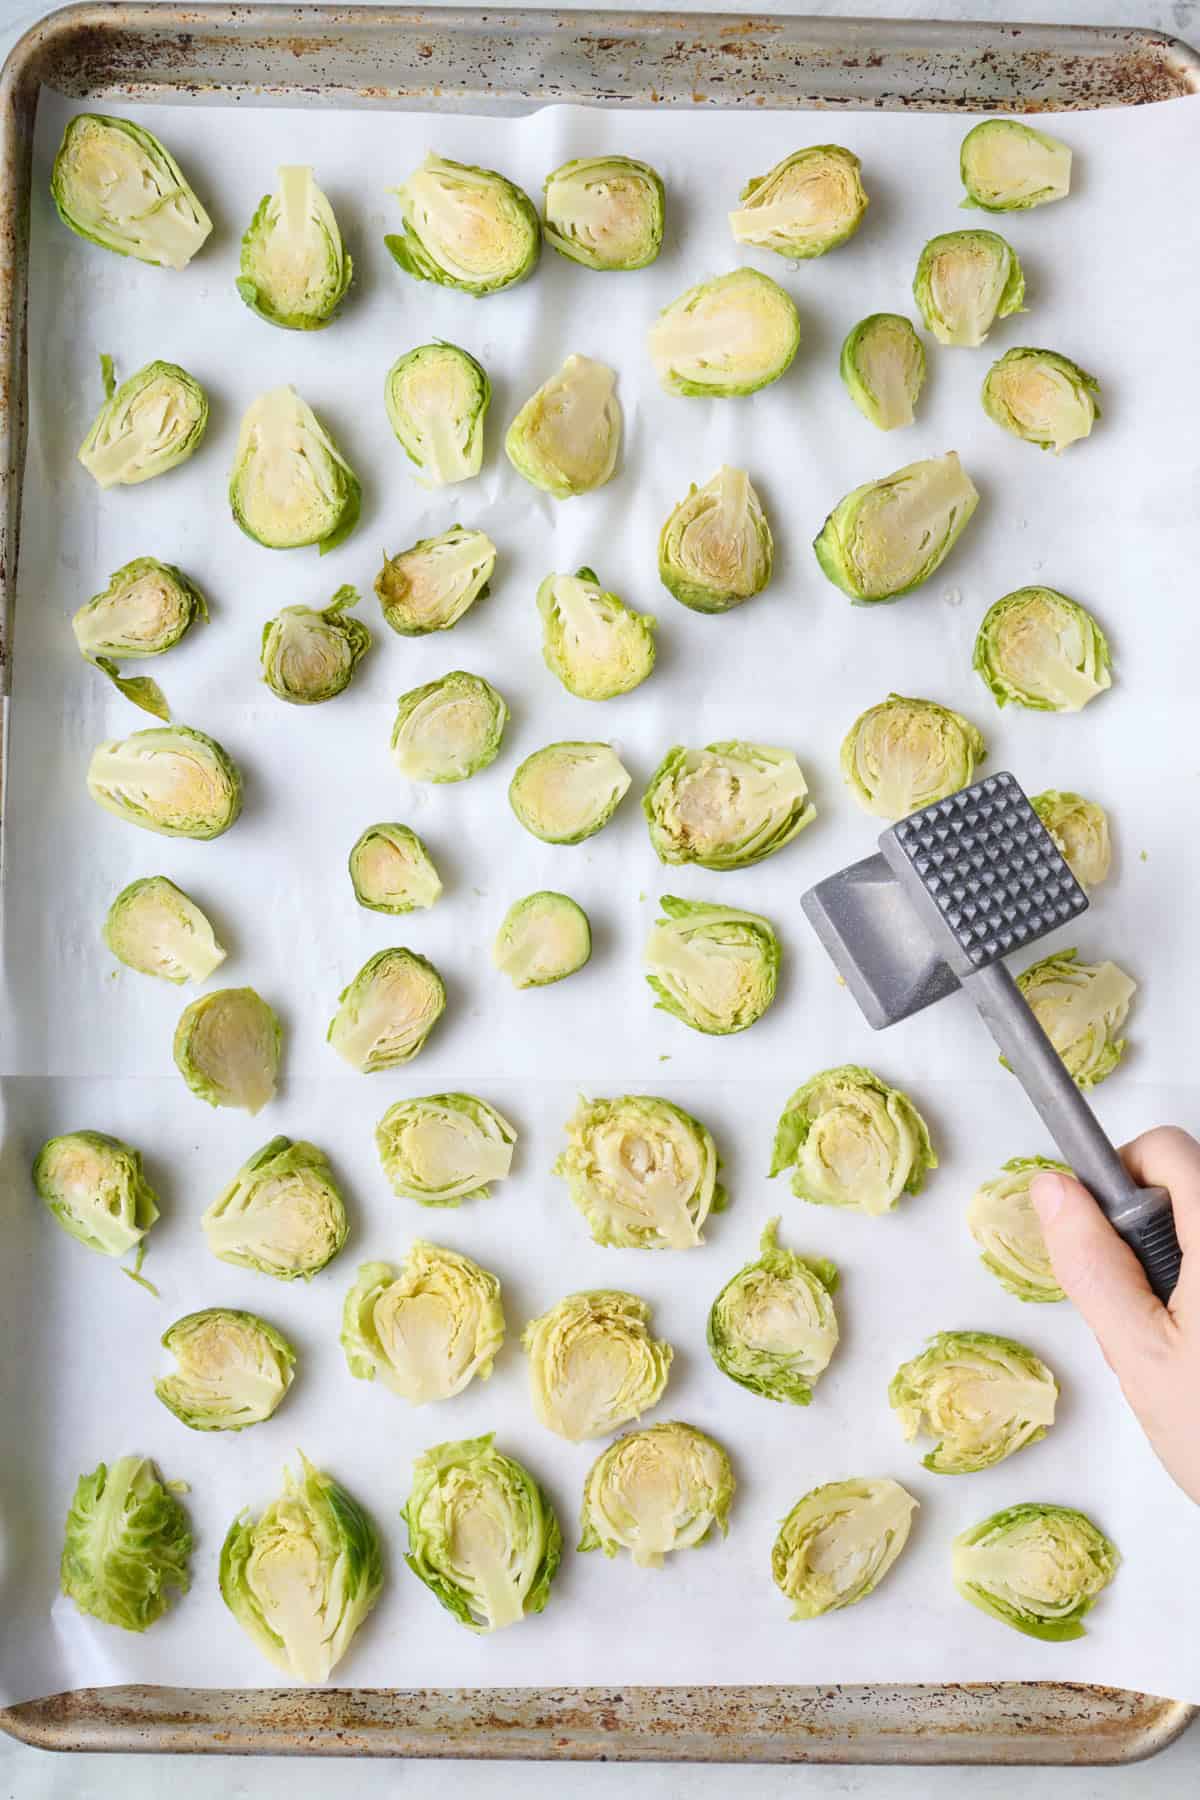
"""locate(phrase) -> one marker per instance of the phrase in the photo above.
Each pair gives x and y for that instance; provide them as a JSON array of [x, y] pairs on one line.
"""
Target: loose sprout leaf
[[282, 1214], [1038, 649], [437, 397], [169, 779], [443, 1149], [141, 689], [391, 871], [1007, 166], [642, 1172], [982, 1397], [965, 281], [851, 1140], [1042, 397], [386, 1013], [654, 1491], [1081, 1007], [430, 586], [715, 549], [726, 337], [543, 938], [308, 655], [93, 1185], [116, 185], [233, 1369], [1002, 1220], [448, 729], [888, 536], [773, 1328], [290, 484], [567, 436], [809, 203], [227, 1048], [593, 1364], [565, 793], [427, 1331], [596, 645], [294, 270], [126, 1546], [727, 806], [147, 426], [1080, 831], [1037, 1568], [883, 366], [152, 926], [605, 212], [713, 967], [465, 227], [838, 1542], [906, 753]]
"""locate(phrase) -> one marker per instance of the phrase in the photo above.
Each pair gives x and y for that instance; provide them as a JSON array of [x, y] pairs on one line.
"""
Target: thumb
[[1099, 1272]]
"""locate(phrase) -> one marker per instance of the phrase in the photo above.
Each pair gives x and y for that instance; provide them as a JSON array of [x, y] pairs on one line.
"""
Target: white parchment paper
[[1113, 277]]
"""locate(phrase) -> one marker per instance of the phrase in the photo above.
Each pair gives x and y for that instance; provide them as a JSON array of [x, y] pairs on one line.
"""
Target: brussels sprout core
[[445, 1148], [148, 425], [807, 204], [1036, 1567], [773, 1328], [567, 436], [726, 337], [1042, 397], [1081, 1007], [907, 753], [714, 967], [593, 1364], [448, 729], [431, 586], [233, 1370], [392, 872], [642, 1172], [1039, 649], [726, 807], [982, 1397], [838, 1542], [596, 645], [308, 655], [605, 212], [1003, 1223], [716, 548], [93, 1185], [1079, 828], [654, 1491], [888, 536], [127, 1544], [1007, 166], [437, 397], [567, 792], [388, 1011], [169, 779], [282, 1214], [851, 1140], [290, 484], [115, 185], [227, 1047], [883, 367], [427, 1332], [542, 938], [154, 928], [965, 281], [465, 227], [294, 269]]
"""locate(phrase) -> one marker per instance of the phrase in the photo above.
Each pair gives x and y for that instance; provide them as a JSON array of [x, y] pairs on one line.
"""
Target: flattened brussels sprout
[[883, 366], [543, 938], [1039, 649], [290, 484], [605, 212], [114, 184], [1081, 1007], [309, 654], [1042, 397], [430, 586], [127, 1544], [437, 397], [851, 1140], [715, 549], [888, 536], [444, 1148], [282, 1214], [567, 792], [983, 1398], [448, 729], [642, 1172], [965, 281], [1008, 167], [93, 1185], [426, 1332], [596, 645], [482, 1534], [1003, 1223], [713, 967], [567, 436], [1079, 828], [147, 426], [904, 754], [726, 337], [1036, 1567], [145, 609], [773, 1328], [465, 227], [294, 270], [233, 1369], [838, 1542], [227, 1048], [593, 1364], [807, 204], [387, 1011], [726, 807], [153, 927], [169, 779], [392, 872], [656, 1490]]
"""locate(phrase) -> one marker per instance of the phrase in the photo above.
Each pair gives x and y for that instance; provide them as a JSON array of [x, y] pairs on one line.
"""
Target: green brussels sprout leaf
[[127, 1544]]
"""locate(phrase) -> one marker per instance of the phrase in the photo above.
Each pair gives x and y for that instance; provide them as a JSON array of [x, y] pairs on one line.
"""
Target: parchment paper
[[1112, 280]]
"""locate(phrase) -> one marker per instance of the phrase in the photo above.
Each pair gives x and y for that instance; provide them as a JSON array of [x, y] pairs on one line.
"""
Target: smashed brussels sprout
[[1002, 1220], [1007, 166], [127, 1544], [146, 427], [437, 397], [642, 1172], [1036, 1567], [1039, 649], [851, 1140], [430, 586], [391, 871], [426, 1332], [294, 270], [883, 366], [1080, 831], [282, 1214], [965, 281], [807, 204], [169, 779], [543, 938], [726, 337], [1081, 1007], [726, 807], [982, 1397], [290, 484], [444, 1148], [567, 792], [838, 1542], [465, 227], [386, 1013], [593, 1364], [888, 536], [773, 1328], [605, 212], [567, 436], [145, 610], [905, 753], [713, 967], [448, 729], [1042, 397], [153, 927], [233, 1369], [93, 1185], [116, 185], [310, 655], [715, 549], [654, 1491], [227, 1048], [596, 645]]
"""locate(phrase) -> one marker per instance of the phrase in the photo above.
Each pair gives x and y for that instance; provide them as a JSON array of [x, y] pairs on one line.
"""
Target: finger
[[1100, 1274], [1170, 1158]]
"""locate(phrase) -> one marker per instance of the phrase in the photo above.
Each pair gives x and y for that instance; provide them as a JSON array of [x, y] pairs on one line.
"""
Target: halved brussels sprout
[[145, 609], [773, 1327], [387, 1011], [851, 1140], [149, 425], [982, 1397], [596, 645], [233, 1369], [1004, 1224], [282, 1214], [391, 870], [93, 1185], [465, 227], [1036, 1567], [1081, 1007], [482, 1534], [430, 586], [965, 281], [437, 397], [714, 967], [1039, 649], [1079, 828], [444, 1148], [309, 654], [905, 753], [642, 1172], [715, 549], [567, 792], [153, 927], [883, 366], [227, 1047], [888, 536], [807, 204], [656, 1490], [114, 184], [127, 1543], [726, 807], [290, 484], [301, 1579], [448, 729], [543, 938], [1008, 167], [426, 1332], [294, 269], [169, 779], [839, 1541], [593, 1364], [605, 212], [726, 337], [1042, 397], [567, 436]]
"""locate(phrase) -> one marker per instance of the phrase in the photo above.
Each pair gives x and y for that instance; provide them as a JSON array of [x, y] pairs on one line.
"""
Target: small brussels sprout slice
[[127, 1543], [1008, 1231], [726, 807], [726, 337], [807, 204], [290, 484], [1036, 1567], [426, 1332], [883, 366], [567, 436], [170, 779], [543, 938], [281, 1215], [152, 926], [715, 549], [437, 397], [309, 655], [851, 1140], [387, 1011], [392, 871], [482, 1534], [838, 1542], [1008, 167], [1042, 397], [227, 1048], [465, 227], [147, 426], [773, 1328], [905, 753], [448, 729], [145, 609], [93, 1185], [1080, 831], [714, 967], [1039, 649], [444, 1148], [982, 1397], [567, 792], [301, 1579], [642, 1172], [593, 1364], [596, 645], [430, 586], [605, 212], [114, 184], [294, 268], [965, 281], [1081, 1007], [654, 1491], [233, 1369], [888, 536]]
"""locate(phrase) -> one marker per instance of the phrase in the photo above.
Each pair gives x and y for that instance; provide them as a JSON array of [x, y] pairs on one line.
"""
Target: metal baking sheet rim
[[385, 56]]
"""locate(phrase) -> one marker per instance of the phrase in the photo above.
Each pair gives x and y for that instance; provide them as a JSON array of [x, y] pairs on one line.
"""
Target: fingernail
[[1047, 1191]]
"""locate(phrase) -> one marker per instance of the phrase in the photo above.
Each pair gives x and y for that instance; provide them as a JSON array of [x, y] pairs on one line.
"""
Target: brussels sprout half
[[838, 1542], [227, 1048], [145, 609], [149, 425], [565, 793], [593, 1364], [726, 337], [982, 1397], [465, 227], [1008, 167], [169, 779], [1080, 831], [114, 184], [905, 753], [807, 204], [426, 1332], [430, 586], [152, 926], [883, 366], [965, 281], [605, 212], [888, 536], [1008, 1231], [294, 270], [851, 1140], [1081, 1007], [1039, 649], [654, 1491], [1042, 397], [642, 1172], [391, 871], [309, 655], [233, 1369], [773, 1327], [543, 938], [567, 436], [386, 1013], [713, 967], [1036, 1567], [437, 397], [715, 549], [448, 729], [444, 1148], [726, 807], [93, 1185], [290, 484], [596, 645], [127, 1544], [281, 1215]]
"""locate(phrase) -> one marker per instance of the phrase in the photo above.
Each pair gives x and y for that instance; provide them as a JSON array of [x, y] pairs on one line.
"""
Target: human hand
[[1153, 1350]]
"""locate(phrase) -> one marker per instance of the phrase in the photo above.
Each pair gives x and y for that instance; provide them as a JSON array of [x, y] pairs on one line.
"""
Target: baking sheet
[[85, 1042]]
